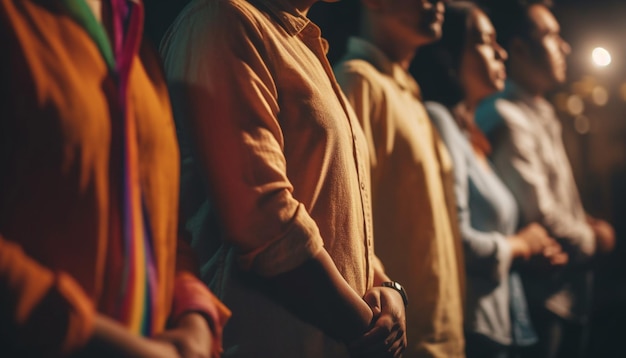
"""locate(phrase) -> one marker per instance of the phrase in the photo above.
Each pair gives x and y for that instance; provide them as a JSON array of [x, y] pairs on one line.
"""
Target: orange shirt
[[281, 157], [60, 179]]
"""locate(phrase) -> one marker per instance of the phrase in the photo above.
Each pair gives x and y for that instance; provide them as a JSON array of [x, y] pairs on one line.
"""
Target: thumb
[[373, 300]]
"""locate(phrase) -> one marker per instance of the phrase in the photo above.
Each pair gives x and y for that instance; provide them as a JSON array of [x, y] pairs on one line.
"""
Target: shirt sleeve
[[519, 164], [191, 295], [42, 312], [217, 63], [487, 254]]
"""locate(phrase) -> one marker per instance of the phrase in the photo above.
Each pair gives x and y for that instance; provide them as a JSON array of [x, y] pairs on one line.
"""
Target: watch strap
[[398, 287]]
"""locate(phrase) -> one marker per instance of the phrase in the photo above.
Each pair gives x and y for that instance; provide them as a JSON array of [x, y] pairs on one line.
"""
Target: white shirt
[[529, 156]]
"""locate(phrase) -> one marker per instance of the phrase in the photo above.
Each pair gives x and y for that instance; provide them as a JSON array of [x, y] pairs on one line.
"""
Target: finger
[[396, 349], [372, 298], [397, 342], [398, 352], [372, 338], [560, 259], [378, 339]]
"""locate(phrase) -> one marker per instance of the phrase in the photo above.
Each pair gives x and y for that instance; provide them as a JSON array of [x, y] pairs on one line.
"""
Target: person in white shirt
[[529, 155]]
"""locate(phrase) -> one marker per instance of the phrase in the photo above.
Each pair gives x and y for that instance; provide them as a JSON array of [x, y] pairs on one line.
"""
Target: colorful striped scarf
[[137, 295]]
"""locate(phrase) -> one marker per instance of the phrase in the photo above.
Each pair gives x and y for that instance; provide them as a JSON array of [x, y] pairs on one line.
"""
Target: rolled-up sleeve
[[229, 108], [487, 253], [42, 312]]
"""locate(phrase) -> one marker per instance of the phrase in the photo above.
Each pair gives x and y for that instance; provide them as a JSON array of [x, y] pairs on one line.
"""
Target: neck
[[464, 111], [96, 8], [302, 5], [470, 105], [398, 51], [526, 80]]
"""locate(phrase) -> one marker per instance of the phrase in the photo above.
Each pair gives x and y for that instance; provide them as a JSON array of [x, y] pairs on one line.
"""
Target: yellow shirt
[[284, 158], [412, 198]]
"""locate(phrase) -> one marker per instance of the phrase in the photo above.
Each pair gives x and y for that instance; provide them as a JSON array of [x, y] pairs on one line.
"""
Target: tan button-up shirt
[[283, 156], [412, 198]]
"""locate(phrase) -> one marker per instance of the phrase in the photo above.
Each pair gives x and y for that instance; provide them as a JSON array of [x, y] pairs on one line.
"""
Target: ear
[[374, 5]]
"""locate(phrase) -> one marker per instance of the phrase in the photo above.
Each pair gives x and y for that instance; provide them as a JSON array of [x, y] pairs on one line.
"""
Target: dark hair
[[510, 18], [436, 66]]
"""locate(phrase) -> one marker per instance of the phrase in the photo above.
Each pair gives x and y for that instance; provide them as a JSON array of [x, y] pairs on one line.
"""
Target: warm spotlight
[[601, 57]]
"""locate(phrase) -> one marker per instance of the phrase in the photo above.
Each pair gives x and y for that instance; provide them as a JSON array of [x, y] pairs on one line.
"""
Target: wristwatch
[[398, 287]]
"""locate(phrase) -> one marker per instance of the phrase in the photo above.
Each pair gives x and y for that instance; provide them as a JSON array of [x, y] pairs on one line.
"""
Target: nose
[[441, 5], [438, 5], [501, 53], [565, 47]]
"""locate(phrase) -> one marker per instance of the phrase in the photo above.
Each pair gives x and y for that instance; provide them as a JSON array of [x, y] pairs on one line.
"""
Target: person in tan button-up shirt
[[274, 160], [414, 211]]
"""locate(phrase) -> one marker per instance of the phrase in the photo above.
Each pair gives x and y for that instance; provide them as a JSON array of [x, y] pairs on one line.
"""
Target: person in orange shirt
[[276, 184], [90, 263]]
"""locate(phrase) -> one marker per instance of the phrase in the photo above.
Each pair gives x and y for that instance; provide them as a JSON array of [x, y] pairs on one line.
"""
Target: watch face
[[398, 287]]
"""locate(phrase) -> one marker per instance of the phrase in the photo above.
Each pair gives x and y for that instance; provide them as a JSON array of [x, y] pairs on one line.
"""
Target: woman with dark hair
[[465, 67]]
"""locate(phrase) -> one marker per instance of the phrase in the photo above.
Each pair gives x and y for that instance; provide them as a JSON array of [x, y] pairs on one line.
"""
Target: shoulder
[[216, 19], [438, 112], [210, 33], [442, 118], [499, 112], [358, 70], [444, 122], [359, 75]]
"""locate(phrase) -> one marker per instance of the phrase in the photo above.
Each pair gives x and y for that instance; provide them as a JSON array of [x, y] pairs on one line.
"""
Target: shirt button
[[362, 185]]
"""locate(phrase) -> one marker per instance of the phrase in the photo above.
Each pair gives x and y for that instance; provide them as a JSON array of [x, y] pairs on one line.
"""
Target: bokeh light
[[601, 57], [575, 105], [600, 96], [582, 124]]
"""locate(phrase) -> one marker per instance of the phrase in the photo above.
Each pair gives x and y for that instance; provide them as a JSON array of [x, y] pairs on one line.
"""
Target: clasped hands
[[386, 335]]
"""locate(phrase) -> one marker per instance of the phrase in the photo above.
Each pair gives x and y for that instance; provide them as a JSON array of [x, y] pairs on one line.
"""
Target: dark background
[[595, 138]]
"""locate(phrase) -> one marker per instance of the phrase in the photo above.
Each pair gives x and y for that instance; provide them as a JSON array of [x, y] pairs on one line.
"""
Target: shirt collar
[[290, 18], [537, 103], [360, 48]]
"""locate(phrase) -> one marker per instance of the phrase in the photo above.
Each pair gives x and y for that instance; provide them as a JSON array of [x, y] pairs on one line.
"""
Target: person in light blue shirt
[[472, 68]]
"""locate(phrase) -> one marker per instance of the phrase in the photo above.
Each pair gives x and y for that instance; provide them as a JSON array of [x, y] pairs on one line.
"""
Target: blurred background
[[592, 108]]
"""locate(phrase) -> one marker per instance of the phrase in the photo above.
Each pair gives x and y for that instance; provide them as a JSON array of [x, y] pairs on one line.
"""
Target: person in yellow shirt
[[412, 180]]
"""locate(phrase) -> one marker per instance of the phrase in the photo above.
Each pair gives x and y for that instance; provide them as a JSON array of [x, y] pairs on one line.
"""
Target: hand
[[387, 335], [532, 240], [111, 339], [554, 254], [604, 234], [191, 336], [552, 258]]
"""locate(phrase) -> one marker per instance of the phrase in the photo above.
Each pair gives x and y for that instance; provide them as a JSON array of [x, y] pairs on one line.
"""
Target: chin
[[559, 75], [432, 33]]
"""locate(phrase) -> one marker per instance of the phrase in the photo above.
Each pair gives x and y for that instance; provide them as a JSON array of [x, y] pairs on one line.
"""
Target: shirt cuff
[[81, 314], [191, 295], [504, 259]]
